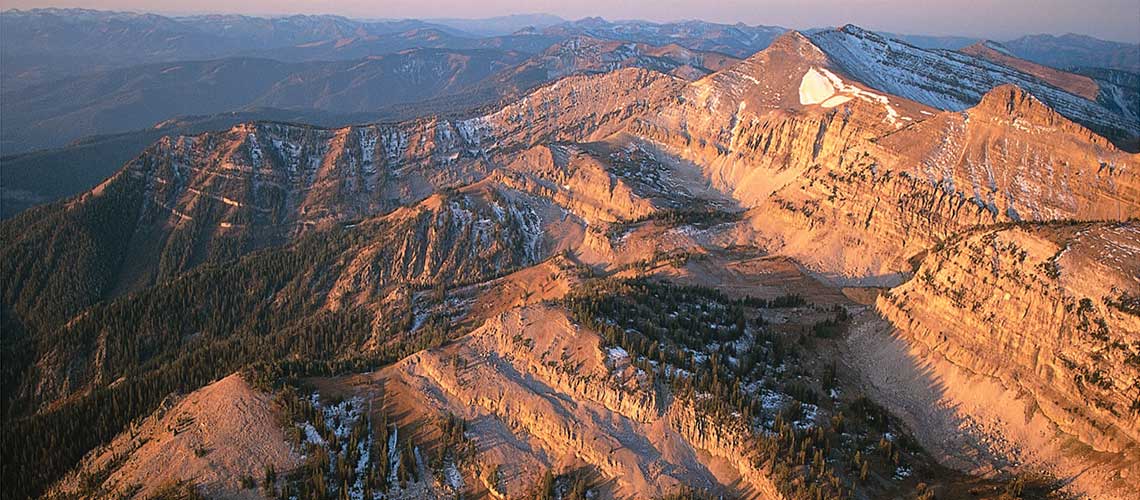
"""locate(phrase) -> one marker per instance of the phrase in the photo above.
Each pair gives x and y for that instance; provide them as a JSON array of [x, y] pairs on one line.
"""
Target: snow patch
[[617, 354], [452, 475], [835, 100], [311, 435], [815, 88], [820, 86]]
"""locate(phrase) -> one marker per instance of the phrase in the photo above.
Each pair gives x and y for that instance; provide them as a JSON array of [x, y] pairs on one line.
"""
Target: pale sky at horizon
[[995, 19]]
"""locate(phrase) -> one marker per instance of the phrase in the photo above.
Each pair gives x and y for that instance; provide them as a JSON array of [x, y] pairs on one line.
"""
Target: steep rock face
[[264, 184], [1014, 156], [565, 397], [283, 179], [480, 233], [954, 80], [1049, 312], [827, 166], [585, 373], [576, 180], [724, 442], [781, 133], [1010, 158], [859, 223], [216, 196], [750, 129]]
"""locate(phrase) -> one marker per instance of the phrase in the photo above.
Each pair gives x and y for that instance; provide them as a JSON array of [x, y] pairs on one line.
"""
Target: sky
[[995, 19]]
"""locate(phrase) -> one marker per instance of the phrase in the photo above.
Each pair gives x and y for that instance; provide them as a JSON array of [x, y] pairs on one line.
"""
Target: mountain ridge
[[860, 52]]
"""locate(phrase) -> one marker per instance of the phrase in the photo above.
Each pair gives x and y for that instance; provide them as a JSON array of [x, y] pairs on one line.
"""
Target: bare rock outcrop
[[1049, 313], [566, 397]]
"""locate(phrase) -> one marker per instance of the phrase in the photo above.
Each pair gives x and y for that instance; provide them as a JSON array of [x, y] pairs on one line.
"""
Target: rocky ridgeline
[[861, 222], [1044, 310], [725, 441], [217, 196], [576, 181], [575, 109], [740, 127], [464, 237], [588, 373], [856, 189], [955, 81], [1009, 159], [1016, 157], [1075, 84], [558, 389], [262, 184]]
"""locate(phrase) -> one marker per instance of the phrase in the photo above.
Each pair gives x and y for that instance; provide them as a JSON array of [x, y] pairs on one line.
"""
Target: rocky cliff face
[[280, 180], [576, 180], [752, 128], [275, 181], [561, 396], [1050, 313], [828, 166], [1008, 159], [1017, 158]]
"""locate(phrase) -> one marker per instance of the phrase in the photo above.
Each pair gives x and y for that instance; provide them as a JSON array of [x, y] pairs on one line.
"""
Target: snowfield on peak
[[820, 86], [815, 88]]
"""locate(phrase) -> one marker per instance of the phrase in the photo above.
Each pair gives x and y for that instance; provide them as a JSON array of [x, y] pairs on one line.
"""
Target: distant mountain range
[[121, 111], [1069, 51], [107, 76], [500, 25], [44, 44], [118, 100]]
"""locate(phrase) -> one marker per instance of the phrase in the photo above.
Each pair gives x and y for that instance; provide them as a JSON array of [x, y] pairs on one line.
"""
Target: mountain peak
[[852, 29], [1014, 102], [792, 40], [791, 36], [1010, 95]]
